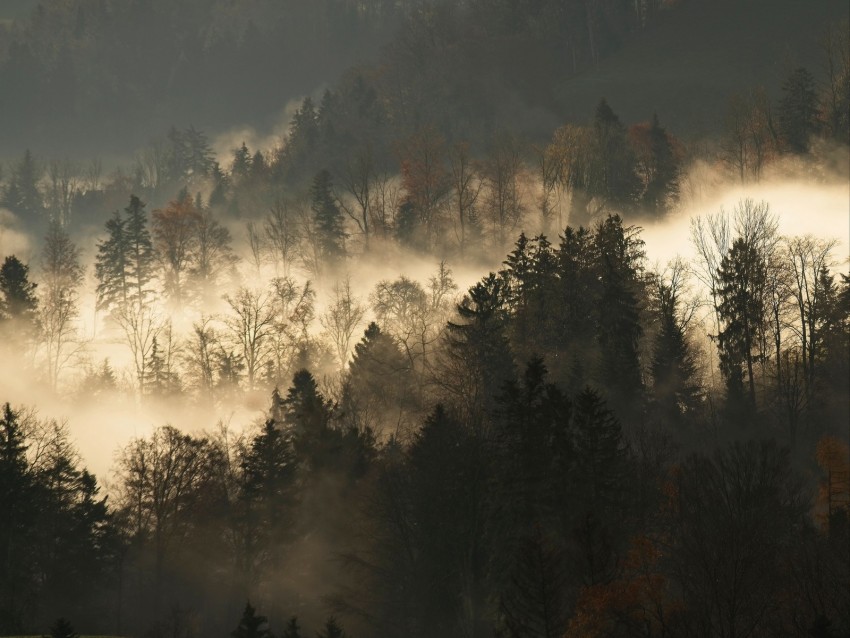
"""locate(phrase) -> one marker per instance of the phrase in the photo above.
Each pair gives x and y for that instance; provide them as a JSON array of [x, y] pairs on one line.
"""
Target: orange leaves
[[634, 604]]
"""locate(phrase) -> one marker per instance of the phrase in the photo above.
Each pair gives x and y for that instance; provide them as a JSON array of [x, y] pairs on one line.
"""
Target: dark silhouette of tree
[[175, 234], [798, 110], [18, 303], [21, 194], [251, 625], [675, 388], [741, 280], [17, 493], [612, 175], [63, 629], [535, 603], [292, 629], [619, 252], [331, 629], [657, 165], [328, 219]]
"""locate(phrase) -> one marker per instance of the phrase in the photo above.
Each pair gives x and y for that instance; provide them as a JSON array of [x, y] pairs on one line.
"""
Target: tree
[[619, 252], [18, 302], [741, 279], [22, 194], [175, 235], [675, 388], [534, 605], [611, 174], [426, 185], [160, 481], [282, 233], [342, 319], [251, 625], [798, 110], [251, 328], [17, 491], [63, 629], [113, 286], [292, 629], [124, 263], [501, 175], [213, 254], [62, 278], [329, 221], [732, 519], [657, 165], [379, 387], [331, 629], [466, 187]]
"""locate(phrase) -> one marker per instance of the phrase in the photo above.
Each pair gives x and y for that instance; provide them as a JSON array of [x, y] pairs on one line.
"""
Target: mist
[[424, 318]]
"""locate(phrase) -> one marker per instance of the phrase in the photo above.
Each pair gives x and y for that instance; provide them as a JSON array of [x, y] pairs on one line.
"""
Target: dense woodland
[[580, 444]]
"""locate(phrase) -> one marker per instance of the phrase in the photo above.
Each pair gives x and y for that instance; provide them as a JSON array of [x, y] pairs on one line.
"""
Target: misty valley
[[442, 332]]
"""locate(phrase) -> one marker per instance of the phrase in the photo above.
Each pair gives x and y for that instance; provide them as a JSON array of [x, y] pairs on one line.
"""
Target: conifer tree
[[18, 302], [798, 110], [113, 287], [292, 629], [329, 220], [63, 629], [332, 629], [251, 625]]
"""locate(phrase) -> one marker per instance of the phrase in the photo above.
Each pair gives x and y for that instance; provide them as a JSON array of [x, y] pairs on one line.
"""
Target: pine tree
[[63, 629], [662, 187], [292, 629], [329, 220], [618, 255], [612, 166], [111, 263], [741, 278], [140, 254], [18, 497], [798, 110], [241, 166], [332, 629], [18, 302], [22, 195], [251, 625], [676, 391]]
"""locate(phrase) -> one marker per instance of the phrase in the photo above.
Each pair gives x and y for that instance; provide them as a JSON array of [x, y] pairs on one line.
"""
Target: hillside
[[687, 65]]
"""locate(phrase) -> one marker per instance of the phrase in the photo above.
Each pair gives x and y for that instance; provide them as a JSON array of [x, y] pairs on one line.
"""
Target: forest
[[413, 365]]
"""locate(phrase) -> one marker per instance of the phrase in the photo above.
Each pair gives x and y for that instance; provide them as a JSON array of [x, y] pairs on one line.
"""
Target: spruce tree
[[251, 625], [798, 110], [111, 263], [140, 254], [332, 629], [329, 220], [18, 302], [63, 629]]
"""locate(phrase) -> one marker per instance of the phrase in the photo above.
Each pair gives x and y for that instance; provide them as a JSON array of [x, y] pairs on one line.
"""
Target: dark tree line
[[565, 468]]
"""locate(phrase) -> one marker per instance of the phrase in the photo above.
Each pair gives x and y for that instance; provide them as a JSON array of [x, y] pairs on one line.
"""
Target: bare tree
[[159, 482], [212, 255], [200, 356], [342, 318], [255, 243], [466, 188], [385, 202], [502, 199], [251, 327], [358, 180], [175, 238], [62, 275], [64, 184], [141, 325], [92, 174], [810, 259], [281, 231]]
